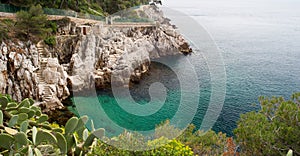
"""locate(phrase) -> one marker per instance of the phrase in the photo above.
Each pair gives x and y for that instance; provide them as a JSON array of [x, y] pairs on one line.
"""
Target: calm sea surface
[[259, 41]]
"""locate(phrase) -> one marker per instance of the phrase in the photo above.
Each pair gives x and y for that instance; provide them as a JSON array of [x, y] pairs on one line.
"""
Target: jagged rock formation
[[120, 55], [101, 55], [25, 71], [52, 85], [17, 65]]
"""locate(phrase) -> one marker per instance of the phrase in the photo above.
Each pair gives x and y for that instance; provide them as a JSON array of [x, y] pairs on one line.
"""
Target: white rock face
[[56, 78], [106, 54], [122, 54], [18, 77], [17, 70]]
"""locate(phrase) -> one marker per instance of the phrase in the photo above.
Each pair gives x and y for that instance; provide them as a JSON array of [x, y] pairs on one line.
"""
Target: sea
[[252, 50]]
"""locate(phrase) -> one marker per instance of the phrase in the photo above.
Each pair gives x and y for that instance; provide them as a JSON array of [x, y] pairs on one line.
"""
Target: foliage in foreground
[[24, 130], [161, 146], [208, 143], [273, 130], [190, 142]]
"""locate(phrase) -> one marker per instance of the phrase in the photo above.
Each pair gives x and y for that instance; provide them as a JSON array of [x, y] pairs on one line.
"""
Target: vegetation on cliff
[[95, 7], [32, 24], [5, 28]]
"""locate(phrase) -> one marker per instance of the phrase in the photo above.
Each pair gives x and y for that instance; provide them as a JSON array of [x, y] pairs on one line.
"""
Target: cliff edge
[[86, 55]]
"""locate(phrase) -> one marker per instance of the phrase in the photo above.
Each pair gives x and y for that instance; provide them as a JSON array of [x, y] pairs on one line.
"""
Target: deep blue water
[[259, 41]]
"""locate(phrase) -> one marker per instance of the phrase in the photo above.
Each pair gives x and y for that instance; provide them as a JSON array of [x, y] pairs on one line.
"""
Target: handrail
[[51, 11]]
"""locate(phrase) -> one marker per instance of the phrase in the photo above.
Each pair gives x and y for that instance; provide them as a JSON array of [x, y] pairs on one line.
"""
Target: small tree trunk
[[53, 3], [61, 4], [77, 3]]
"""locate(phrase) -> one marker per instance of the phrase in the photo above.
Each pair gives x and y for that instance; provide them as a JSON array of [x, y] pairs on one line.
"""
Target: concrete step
[[47, 91], [43, 64], [47, 96]]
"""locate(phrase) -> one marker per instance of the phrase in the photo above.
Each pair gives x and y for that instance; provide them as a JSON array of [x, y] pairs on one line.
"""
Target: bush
[[32, 24], [162, 143], [173, 147], [53, 26], [208, 143], [273, 130], [6, 25], [51, 40], [170, 147], [3, 32]]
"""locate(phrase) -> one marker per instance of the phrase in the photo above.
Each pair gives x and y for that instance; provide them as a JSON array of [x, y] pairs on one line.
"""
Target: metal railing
[[11, 8], [50, 11]]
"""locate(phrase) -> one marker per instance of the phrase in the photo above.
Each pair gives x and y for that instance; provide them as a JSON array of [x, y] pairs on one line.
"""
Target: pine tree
[[32, 24]]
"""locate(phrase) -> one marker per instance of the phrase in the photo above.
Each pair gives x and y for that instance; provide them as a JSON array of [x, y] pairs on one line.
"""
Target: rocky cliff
[[86, 55]]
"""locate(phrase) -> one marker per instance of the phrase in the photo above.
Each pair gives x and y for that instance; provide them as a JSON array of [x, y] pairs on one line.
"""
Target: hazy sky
[[232, 3]]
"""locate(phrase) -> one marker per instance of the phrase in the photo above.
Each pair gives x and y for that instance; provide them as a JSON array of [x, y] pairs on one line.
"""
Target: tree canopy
[[32, 24]]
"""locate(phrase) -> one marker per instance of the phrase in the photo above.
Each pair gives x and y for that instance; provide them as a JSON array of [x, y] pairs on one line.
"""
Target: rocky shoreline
[[84, 56]]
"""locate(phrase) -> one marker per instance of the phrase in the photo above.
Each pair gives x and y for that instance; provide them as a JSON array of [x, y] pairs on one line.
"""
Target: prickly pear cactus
[[24, 130]]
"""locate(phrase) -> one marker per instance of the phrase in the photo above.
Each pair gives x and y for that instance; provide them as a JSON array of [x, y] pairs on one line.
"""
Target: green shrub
[[273, 130], [204, 143], [53, 26], [6, 25], [161, 146], [32, 24], [163, 143], [51, 40], [3, 33], [173, 147]]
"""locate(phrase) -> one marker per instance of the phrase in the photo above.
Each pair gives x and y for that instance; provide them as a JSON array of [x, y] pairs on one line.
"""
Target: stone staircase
[[43, 58]]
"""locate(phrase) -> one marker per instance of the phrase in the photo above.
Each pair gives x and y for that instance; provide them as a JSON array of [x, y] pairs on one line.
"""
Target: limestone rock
[[106, 54], [16, 70], [76, 82]]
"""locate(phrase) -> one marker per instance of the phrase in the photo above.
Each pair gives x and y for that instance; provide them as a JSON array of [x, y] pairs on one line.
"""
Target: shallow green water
[[106, 112], [259, 41]]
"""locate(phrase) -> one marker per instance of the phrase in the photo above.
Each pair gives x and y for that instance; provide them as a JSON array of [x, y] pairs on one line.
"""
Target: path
[[43, 58], [81, 21]]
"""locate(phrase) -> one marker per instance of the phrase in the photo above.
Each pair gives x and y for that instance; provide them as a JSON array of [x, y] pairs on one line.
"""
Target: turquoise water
[[105, 111], [259, 41]]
